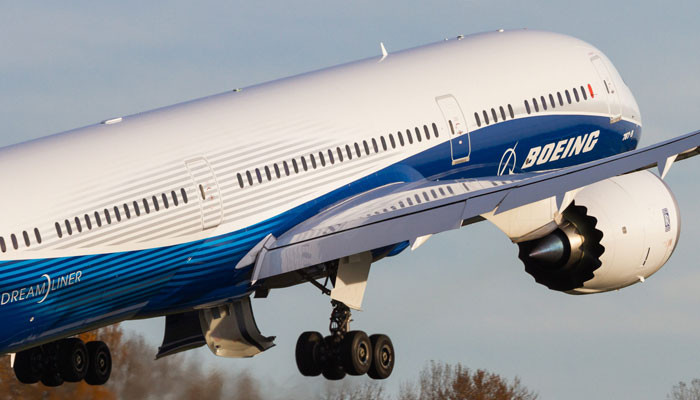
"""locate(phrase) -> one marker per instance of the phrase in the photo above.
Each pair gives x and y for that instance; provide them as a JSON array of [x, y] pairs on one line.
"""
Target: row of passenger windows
[[125, 211], [339, 154], [579, 94], [494, 115], [15, 242]]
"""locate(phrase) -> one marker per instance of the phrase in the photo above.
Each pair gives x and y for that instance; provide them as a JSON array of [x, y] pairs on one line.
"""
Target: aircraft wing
[[404, 211]]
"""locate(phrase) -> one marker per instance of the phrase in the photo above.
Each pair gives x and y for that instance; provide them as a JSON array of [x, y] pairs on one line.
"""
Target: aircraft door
[[207, 190], [611, 95], [460, 142]]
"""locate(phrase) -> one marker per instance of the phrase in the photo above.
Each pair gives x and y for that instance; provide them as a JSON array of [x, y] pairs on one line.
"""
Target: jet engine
[[617, 232]]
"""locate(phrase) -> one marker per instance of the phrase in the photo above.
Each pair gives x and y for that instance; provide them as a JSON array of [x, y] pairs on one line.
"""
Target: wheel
[[331, 368], [356, 353], [382, 357], [306, 353], [72, 359], [99, 364], [28, 365], [51, 377]]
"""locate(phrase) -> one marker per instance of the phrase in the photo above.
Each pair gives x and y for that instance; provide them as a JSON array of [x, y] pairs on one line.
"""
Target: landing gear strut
[[69, 360], [344, 351]]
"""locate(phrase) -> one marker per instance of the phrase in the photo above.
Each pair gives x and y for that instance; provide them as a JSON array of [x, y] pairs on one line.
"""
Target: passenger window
[[348, 151], [26, 238], [98, 220], [477, 119], [277, 172], [340, 154], [544, 103], [87, 221], [2, 244], [156, 206], [117, 215], [59, 233], [258, 174], [240, 180], [409, 136], [250, 178], [14, 241], [551, 100], [400, 136], [375, 145], [495, 117], [391, 139], [486, 118], [583, 93], [366, 145], [286, 166], [268, 175], [358, 152], [313, 161], [107, 217], [78, 226], [418, 136], [527, 107], [383, 143], [435, 131], [452, 128], [330, 156], [146, 207], [561, 101], [296, 165], [510, 111], [321, 158], [503, 113], [534, 103], [37, 235], [568, 96], [174, 197], [137, 210], [184, 194], [68, 227], [576, 94], [165, 202]]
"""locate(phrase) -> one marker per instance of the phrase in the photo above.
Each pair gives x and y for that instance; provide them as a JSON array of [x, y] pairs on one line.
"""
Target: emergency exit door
[[207, 191], [460, 142], [610, 91]]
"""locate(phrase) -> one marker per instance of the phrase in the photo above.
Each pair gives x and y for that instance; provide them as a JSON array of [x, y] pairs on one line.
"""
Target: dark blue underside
[[152, 282]]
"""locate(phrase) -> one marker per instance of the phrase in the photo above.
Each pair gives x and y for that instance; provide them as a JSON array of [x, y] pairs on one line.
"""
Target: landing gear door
[[207, 191], [460, 142], [610, 91]]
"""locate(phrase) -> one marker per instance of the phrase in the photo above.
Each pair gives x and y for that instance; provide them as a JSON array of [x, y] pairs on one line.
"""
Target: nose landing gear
[[344, 351]]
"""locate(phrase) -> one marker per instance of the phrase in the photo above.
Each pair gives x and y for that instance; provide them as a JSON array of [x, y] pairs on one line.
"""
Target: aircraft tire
[[308, 346], [73, 361], [100, 363], [383, 357], [28, 365], [51, 377], [356, 353]]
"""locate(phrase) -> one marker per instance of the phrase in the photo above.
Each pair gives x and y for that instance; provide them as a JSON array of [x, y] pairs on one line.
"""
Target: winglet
[[384, 52]]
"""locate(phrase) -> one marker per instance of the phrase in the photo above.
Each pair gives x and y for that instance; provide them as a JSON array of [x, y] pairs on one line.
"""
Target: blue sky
[[463, 297]]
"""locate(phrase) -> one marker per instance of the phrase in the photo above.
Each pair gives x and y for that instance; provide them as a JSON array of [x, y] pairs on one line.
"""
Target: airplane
[[190, 210]]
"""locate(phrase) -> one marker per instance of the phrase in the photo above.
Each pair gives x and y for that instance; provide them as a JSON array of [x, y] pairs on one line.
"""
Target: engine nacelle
[[617, 232]]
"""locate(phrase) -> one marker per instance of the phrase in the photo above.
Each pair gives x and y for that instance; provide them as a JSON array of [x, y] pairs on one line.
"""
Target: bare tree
[[684, 391], [347, 390], [443, 381]]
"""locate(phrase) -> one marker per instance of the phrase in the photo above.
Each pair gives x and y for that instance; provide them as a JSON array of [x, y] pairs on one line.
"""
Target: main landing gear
[[344, 351], [69, 360]]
